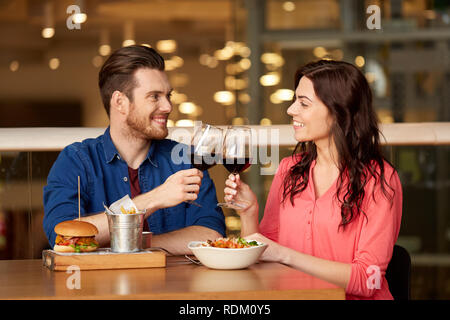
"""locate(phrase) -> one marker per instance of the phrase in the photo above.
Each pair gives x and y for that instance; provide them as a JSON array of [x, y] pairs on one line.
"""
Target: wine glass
[[237, 155], [206, 148]]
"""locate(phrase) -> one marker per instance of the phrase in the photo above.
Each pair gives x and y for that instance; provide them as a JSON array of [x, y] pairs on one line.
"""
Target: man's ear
[[119, 102]]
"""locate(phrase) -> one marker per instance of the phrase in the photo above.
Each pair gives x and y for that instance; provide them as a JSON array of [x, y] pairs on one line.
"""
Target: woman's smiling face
[[312, 119]]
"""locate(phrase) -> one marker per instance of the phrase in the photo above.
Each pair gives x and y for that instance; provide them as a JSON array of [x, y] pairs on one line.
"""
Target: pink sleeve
[[377, 238], [270, 223]]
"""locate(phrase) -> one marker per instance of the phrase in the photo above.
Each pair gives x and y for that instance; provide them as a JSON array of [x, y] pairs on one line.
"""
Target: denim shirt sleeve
[[61, 192], [210, 215]]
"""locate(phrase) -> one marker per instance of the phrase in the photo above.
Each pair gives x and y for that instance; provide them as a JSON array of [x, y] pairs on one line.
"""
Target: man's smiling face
[[151, 106]]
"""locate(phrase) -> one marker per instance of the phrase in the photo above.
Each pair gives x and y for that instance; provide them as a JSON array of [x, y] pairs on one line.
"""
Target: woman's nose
[[291, 110]]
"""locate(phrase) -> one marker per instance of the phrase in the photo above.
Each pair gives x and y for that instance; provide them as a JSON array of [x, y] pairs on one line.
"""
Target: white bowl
[[226, 258]]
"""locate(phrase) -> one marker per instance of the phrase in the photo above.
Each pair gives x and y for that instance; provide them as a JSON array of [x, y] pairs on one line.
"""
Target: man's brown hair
[[117, 73]]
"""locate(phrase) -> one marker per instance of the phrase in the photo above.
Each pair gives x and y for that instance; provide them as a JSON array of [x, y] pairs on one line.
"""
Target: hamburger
[[75, 236]]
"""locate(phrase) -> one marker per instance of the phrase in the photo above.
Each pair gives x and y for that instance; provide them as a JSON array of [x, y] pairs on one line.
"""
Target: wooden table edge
[[307, 294]]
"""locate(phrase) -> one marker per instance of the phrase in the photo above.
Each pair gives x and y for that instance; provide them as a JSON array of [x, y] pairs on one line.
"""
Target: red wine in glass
[[237, 155], [236, 165], [205, 143], [203, 162]]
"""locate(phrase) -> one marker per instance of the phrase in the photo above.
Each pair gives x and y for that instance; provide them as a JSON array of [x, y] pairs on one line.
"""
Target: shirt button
[[125, 179], [309, 222], [118, 157]]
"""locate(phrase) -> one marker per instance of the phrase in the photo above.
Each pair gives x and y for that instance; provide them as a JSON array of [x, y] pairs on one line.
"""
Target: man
[[132, 157]]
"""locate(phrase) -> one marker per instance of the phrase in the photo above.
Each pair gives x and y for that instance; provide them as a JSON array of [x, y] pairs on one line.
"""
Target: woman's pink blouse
[[311, 227]]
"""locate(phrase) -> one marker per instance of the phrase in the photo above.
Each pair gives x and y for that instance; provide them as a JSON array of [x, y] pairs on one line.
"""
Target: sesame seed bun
[[75, 228]]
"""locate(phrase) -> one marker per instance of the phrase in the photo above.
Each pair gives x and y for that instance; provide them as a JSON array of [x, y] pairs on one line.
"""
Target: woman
[[334, 208]]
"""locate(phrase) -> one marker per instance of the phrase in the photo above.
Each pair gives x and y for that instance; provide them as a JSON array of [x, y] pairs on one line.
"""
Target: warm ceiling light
[[14, 66], [360, 61], [238, 121], [79, 18], [184, 123], [146, 45], [224, 54], [104, 49], [187, 107], [268, 57], [207, 60], [288, 6], [166, 46], [178, 61], [337, 54], [279, 62], [224, 97], [198, 111], [275, 99], [244, 98], [237, 46], [284, 94], [128, 34], [179, 79], [169, 65], [231, 44], [213, 62], [232, 83], [53, 63], [48, 33], [244, 52], [170, 123], [245, 64], [265, 122], [204, 59], [270, 79], [178, 98], [272, 59], [97, 61], [128, 42], [232, 69], [320, 52], [48, 29]]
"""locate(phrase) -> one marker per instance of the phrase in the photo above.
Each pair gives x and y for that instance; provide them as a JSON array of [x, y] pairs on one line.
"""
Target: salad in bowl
[[227, 253]]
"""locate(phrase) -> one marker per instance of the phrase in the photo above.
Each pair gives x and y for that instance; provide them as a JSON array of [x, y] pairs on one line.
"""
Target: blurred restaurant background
[[230, 62]]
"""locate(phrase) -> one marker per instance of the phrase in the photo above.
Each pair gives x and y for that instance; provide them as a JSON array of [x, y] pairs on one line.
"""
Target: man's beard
[[139, 128]]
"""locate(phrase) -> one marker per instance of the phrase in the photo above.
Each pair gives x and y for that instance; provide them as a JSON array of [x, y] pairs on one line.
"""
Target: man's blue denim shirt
[[104, 179]]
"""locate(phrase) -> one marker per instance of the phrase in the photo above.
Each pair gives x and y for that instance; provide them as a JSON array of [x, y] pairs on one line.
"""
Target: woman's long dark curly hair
[[345, 92]]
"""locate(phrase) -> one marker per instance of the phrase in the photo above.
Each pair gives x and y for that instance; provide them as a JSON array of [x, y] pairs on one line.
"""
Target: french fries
[[129, 211]]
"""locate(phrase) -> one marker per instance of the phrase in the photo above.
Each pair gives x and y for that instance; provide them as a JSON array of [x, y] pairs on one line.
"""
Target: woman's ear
[[119, 102]]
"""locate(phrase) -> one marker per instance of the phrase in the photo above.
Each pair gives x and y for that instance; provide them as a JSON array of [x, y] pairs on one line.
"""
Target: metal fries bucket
[[125, 231]]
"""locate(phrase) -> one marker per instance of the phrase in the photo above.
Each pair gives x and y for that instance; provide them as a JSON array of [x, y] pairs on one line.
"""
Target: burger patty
[[81, 241]]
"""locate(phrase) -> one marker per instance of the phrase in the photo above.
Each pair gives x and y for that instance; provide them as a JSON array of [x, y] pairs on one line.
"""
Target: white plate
[[225, 258]]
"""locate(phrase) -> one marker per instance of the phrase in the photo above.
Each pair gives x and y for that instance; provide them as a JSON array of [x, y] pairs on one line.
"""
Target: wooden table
[[28, 279]]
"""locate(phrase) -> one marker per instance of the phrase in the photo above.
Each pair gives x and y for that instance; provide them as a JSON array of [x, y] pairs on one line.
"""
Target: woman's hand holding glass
[[236, 191], [237, 157]]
